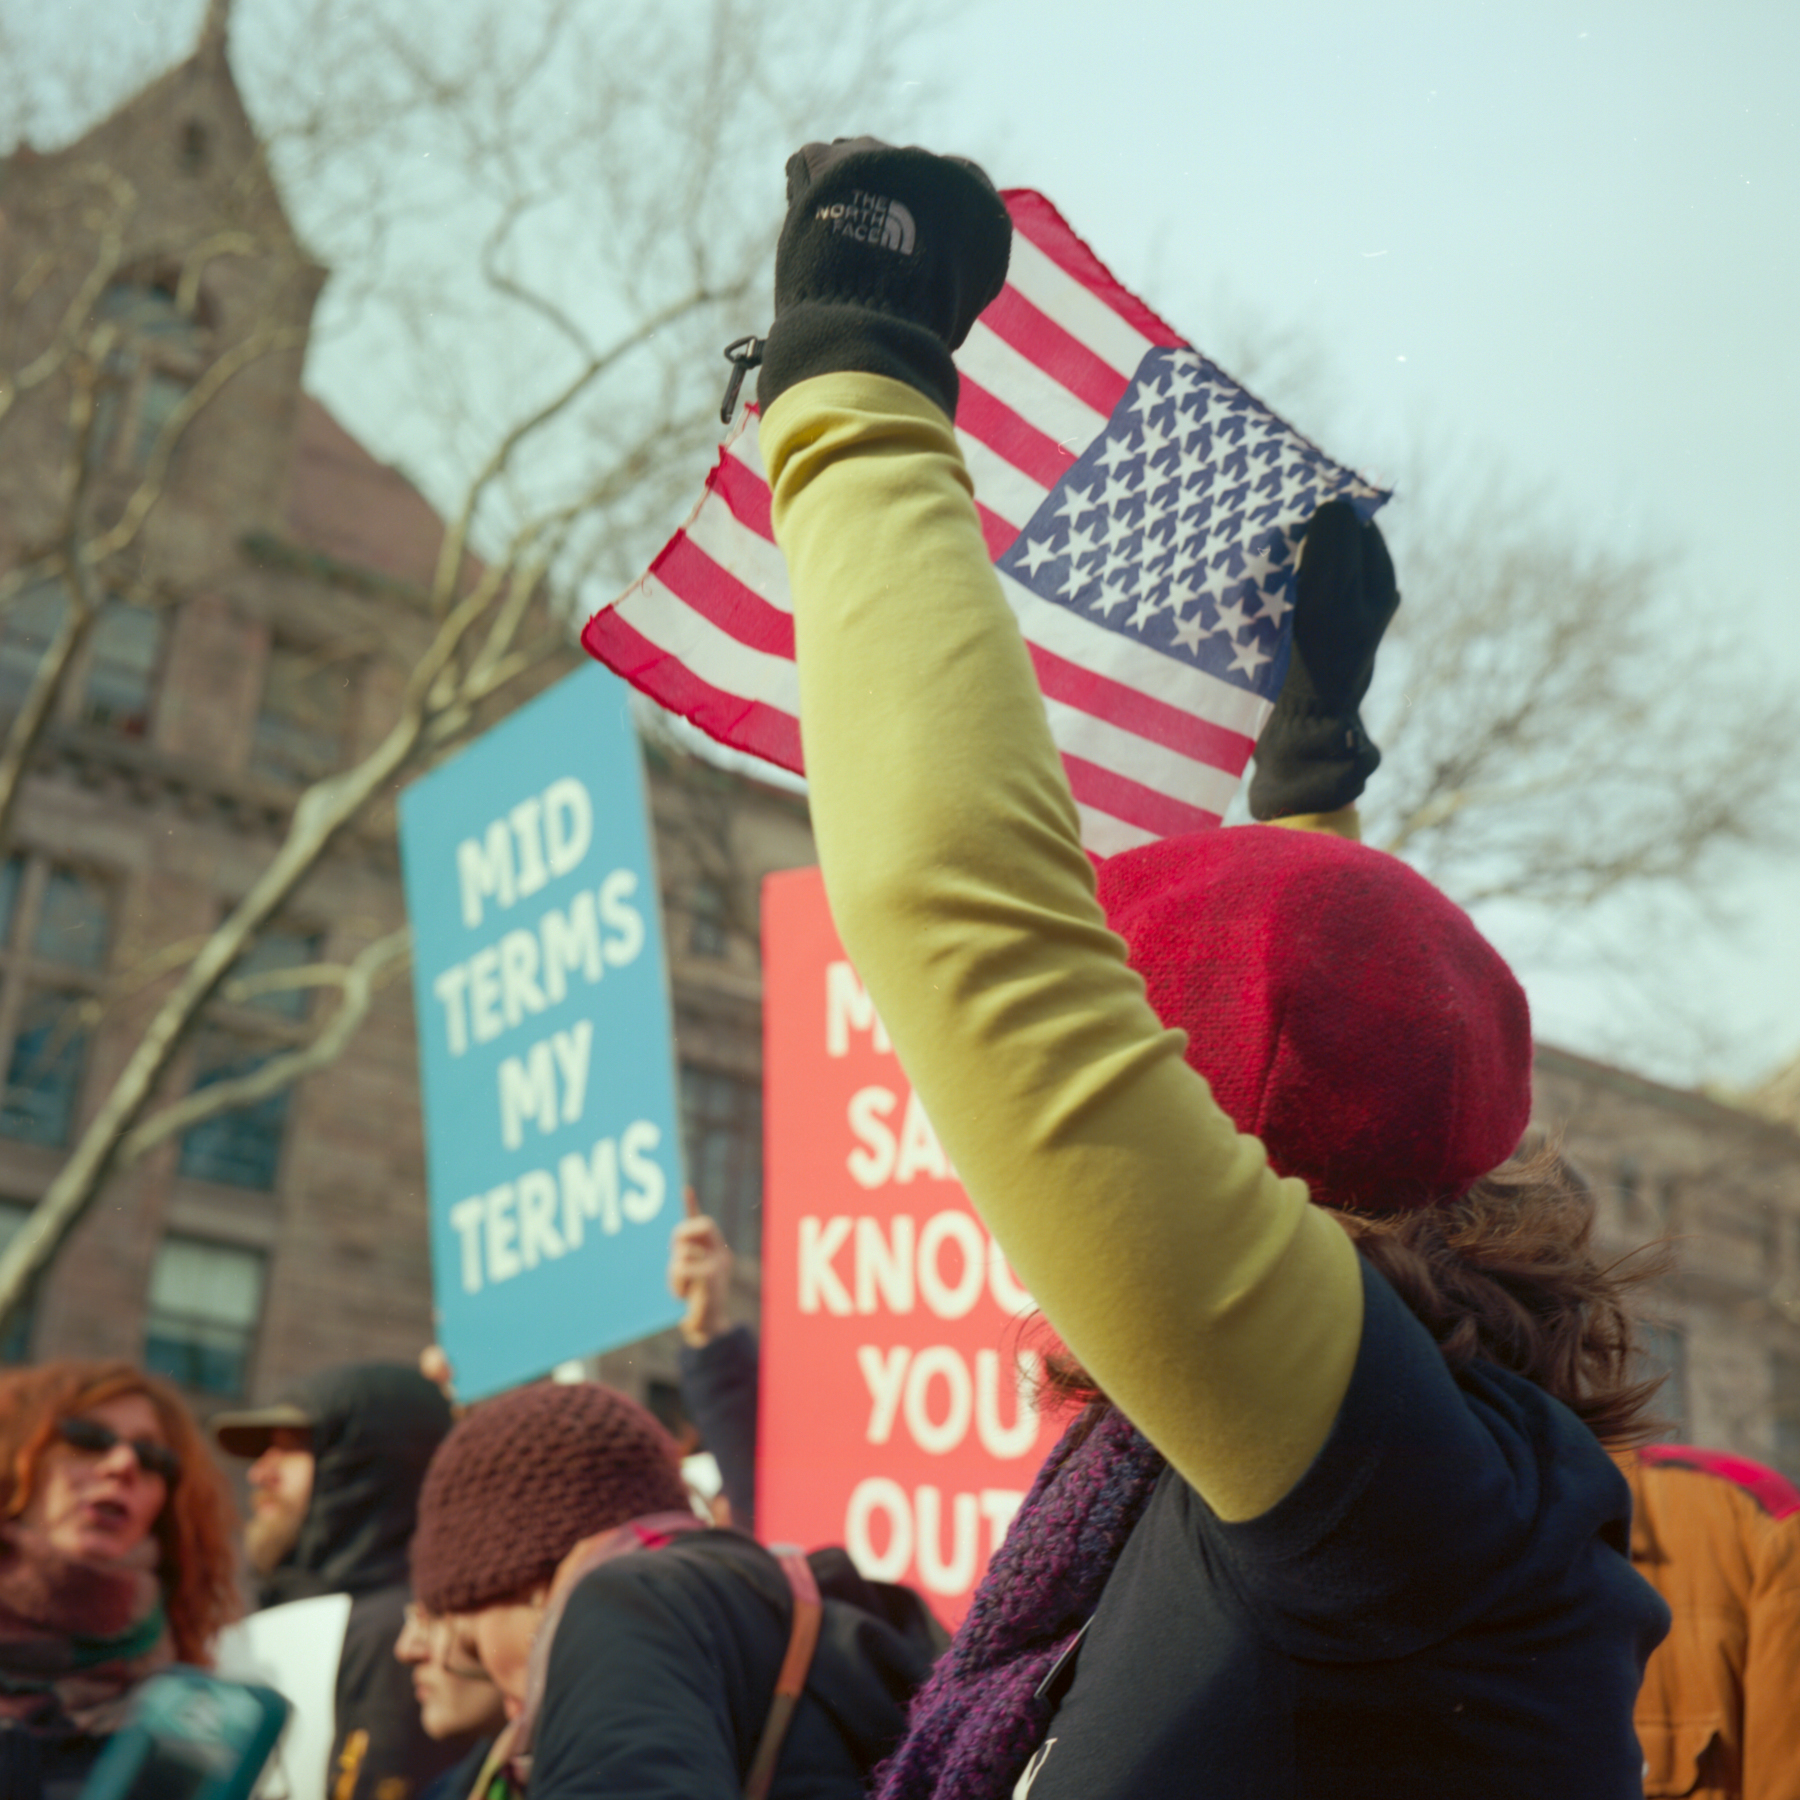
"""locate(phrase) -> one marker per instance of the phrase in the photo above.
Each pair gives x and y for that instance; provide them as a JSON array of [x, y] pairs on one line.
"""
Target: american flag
[[1143, 513]]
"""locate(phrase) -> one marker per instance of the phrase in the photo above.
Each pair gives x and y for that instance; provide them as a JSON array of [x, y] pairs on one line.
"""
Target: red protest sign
[[896, 1386]]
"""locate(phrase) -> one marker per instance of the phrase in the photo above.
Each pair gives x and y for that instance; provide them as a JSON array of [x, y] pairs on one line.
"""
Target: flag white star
[[1232, 617], [1074, 503], [1182, 594], [1156, 441], [1037, 553], [1115, 593], [1118, 487], [1147, 609], [1147, 399], [1082, 543], [1248, 658], [1192, 468], [1119, 562], [1189, 632], [1117, 451], [1275, 606], [1184, 383]]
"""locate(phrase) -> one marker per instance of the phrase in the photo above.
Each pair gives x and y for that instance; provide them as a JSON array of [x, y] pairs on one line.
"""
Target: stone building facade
[[1720, 1185], [260, 609], [256, 632]]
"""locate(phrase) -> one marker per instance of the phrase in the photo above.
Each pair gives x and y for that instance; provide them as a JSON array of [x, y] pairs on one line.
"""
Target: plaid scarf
[[75, 1637]]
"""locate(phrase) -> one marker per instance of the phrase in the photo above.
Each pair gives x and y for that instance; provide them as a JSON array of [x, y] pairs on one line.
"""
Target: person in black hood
[[334, 1481]]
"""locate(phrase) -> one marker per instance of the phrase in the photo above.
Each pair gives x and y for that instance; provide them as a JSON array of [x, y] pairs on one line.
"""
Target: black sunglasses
[[92, 1438]]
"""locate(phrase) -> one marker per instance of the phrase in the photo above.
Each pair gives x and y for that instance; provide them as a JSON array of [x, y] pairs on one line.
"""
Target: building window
[[158, 357], [255, 980], [31, 623], [15, 1341], [72, 922], [242, 1147], [124, 659], [43, 1071], [305, 712], [205, 1301], [158, 398], [706, 919], [55, 932], [256, 1016], [121, 661], [12, 873], [146, 312], [1662, 1353], [721, 1119]]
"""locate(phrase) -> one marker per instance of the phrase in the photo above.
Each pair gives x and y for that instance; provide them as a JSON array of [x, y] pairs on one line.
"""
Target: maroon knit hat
[[1339, 1006], [522, 1479]]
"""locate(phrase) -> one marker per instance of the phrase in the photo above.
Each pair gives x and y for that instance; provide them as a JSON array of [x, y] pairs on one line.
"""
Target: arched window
[[149, 309], [160, 352]]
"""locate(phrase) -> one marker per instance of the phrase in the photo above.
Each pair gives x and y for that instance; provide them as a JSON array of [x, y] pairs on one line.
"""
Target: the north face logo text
[[872, 219]]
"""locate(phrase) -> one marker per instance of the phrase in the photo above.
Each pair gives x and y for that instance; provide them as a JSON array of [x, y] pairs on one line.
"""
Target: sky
[[1559, 238]]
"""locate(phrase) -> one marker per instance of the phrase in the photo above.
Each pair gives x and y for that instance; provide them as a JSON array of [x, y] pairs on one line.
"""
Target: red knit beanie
[[1340, 1008], [522, 1479]]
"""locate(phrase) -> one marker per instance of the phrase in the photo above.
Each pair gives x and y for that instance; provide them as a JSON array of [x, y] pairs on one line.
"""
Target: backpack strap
[[803, 1640]]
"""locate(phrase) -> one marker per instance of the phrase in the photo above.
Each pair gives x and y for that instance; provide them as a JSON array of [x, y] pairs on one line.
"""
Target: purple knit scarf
[[977, 1720]]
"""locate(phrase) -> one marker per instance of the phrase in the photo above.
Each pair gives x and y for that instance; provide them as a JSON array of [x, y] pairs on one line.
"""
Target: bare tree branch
[[358, 982], [108, 249], [589, 148], [1558, 722], [267, 339], [82, 608], [455, 542]]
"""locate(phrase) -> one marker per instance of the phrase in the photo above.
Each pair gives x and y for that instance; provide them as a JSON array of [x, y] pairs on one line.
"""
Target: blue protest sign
[[544, 1039]]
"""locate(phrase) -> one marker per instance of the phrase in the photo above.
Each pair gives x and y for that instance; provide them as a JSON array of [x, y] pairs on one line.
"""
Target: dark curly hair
[[1506, 1273]]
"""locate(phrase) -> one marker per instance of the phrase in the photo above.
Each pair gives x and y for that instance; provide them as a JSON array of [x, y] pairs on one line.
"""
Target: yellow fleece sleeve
[[1346, 822], [1211, 1301]]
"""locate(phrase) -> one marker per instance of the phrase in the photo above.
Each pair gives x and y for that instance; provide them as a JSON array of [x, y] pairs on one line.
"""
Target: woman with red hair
[[116, 1558]]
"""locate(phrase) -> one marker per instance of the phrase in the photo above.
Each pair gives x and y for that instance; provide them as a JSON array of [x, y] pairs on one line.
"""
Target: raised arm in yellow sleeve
[[1210, 1300]]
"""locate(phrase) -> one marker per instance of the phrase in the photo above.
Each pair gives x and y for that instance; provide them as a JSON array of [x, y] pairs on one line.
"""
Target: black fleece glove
[[885, 261], [1314, 755]]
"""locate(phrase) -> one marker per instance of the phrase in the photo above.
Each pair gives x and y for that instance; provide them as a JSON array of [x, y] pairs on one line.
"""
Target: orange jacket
[[1719, 1538]]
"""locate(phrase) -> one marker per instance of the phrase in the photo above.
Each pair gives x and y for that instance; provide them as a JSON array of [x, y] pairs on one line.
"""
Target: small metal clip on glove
[[744, 354], [1314, 755], [885, 261]]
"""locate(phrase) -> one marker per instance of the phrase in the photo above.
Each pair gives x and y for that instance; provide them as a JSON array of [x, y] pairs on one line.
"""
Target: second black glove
[[1314, 754]]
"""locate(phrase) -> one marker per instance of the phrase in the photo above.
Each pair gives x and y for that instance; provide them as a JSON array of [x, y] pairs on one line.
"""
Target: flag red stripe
[[764, 731], [1037, 219], [995, 423], [1131, 709], [716, 594], [1107, 791], [998, 533], [746, 493], [1059, 353]]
